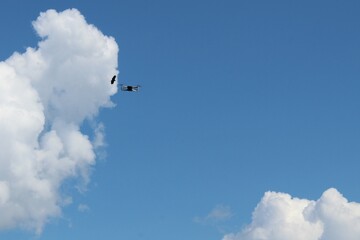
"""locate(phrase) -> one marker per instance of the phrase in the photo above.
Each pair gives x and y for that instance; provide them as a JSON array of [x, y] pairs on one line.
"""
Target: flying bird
[[113, 79]]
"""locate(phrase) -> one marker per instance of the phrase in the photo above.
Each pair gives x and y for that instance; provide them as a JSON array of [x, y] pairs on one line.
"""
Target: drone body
[[127, 88]]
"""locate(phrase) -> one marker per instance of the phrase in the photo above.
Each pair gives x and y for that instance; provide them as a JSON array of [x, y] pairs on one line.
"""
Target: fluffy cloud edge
[[279, 216], [45, 95]]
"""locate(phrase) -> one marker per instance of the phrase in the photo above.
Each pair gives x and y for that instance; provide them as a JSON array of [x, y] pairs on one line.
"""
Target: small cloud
[[99, 136], [219, 213], [83, 208]]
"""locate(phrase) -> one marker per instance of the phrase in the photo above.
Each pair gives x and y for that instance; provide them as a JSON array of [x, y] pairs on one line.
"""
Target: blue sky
[[238, 98]]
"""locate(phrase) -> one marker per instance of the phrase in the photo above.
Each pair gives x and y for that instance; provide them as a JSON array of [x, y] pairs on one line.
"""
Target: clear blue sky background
[[238, 98]]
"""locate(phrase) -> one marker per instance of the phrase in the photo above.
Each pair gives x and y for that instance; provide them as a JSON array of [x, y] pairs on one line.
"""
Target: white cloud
[[45, 95], [278, 216], [99, 139]]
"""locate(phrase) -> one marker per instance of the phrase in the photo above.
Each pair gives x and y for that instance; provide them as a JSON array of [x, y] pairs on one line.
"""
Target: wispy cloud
[[83, 208], [279, 216], [45, 95], [219, 213]]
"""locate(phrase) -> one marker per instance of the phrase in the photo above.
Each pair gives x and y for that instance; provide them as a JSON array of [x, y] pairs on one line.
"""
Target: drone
[[126, 88]]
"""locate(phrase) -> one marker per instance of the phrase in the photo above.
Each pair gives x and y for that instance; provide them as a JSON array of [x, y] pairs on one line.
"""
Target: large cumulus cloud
[[45, 94], [278, 216]]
